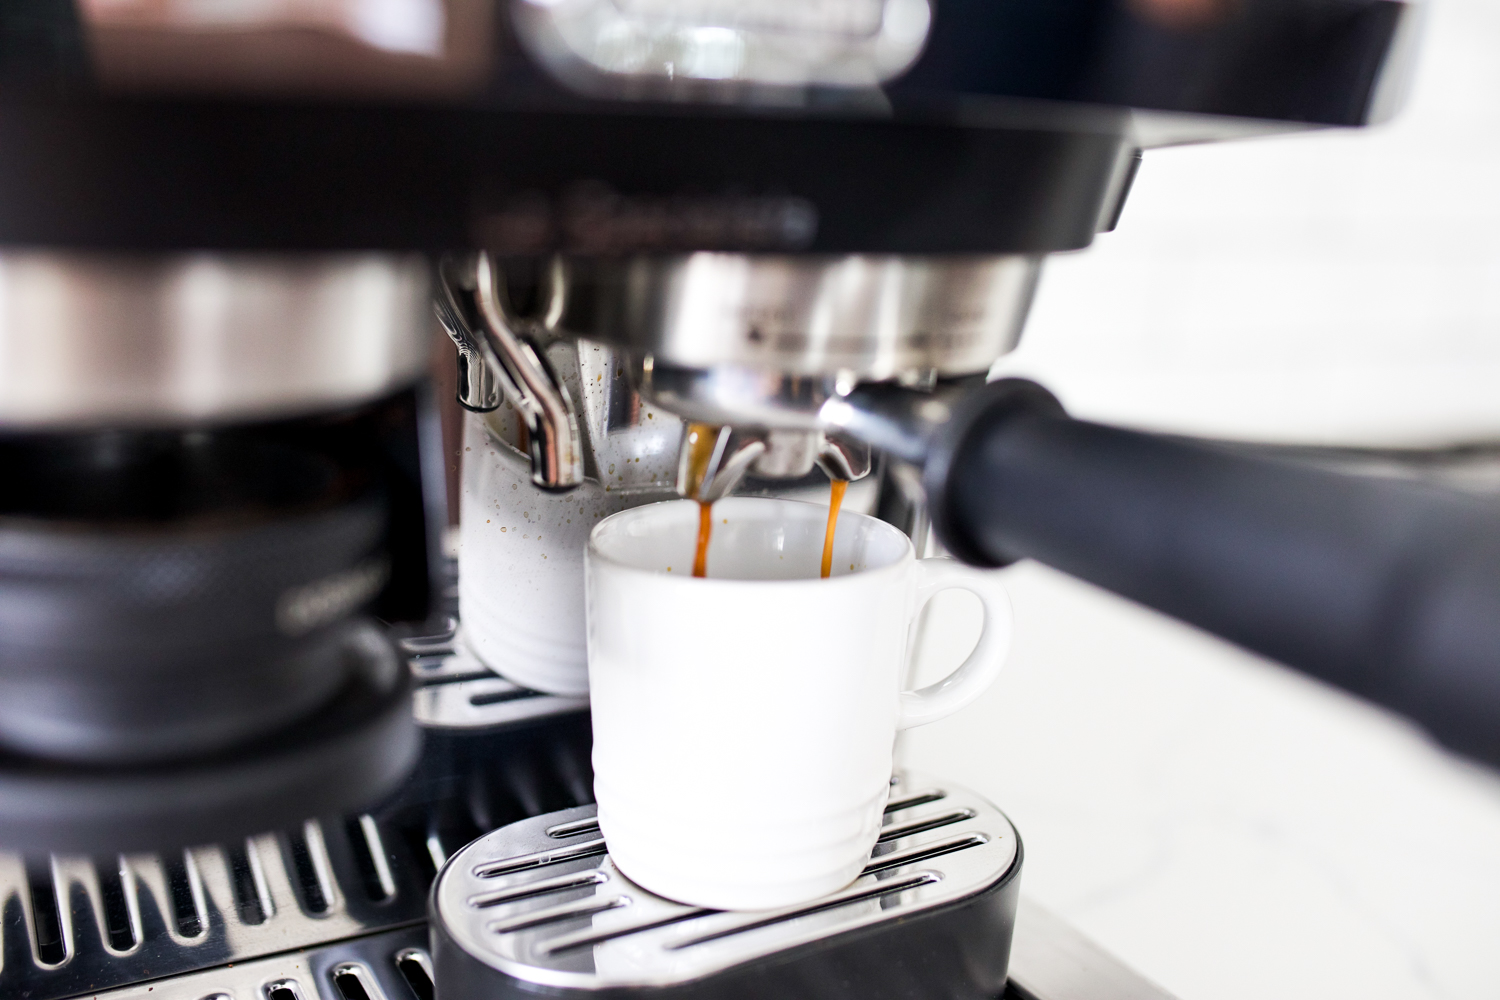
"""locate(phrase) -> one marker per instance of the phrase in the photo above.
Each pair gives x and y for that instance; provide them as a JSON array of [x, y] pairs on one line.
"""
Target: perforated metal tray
[[540, 904]]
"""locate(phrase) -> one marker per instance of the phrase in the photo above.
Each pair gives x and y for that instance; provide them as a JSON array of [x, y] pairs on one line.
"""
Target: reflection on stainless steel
[[172, 338], [771, 453], [629, 445], [516, 359], [664, 47], [1049, 960], [900, 422], [513, 899], [146, 915], [861, 317], [789, 454], [734, 452], [561, 395], [888, 416], [783, 454], [730, 394], [457, 692], [532, 387], [389, 966], [757, 343], [842, 457], [478, 384]]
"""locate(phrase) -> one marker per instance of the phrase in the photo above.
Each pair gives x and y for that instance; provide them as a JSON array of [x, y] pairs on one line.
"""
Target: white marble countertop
[[1227, 827]]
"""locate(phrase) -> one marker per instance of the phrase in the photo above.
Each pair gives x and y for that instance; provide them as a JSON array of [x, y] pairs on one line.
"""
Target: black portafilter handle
[[1387, 588]]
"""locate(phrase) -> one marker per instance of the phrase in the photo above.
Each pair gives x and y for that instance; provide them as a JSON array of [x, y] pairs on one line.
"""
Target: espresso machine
[[243, 754]]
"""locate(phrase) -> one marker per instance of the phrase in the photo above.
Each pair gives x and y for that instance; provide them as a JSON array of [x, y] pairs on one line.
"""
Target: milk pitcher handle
[[983, 665]]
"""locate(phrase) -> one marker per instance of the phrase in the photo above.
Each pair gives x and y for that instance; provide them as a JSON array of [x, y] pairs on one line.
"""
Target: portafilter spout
[[714, 458], [501, 357]]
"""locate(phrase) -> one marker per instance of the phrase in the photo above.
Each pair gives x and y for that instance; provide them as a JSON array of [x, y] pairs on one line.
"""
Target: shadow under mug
[[744, 723]]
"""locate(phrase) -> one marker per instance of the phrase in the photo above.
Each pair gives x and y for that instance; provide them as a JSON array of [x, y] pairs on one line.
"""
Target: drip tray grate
[[540, 904]]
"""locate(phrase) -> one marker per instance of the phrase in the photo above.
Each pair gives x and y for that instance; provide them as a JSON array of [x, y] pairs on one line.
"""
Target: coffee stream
[[701, 439], [835, 501], [705, 532]]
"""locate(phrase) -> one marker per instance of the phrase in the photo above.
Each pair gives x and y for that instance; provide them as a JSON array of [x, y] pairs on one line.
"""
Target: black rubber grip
[[1387, 588]]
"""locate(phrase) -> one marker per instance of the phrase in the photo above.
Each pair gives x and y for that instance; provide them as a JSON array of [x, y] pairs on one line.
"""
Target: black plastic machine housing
[[1013, 132]]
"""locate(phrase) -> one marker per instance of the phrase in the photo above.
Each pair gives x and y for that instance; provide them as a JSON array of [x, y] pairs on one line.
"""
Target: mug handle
[[976, 673]]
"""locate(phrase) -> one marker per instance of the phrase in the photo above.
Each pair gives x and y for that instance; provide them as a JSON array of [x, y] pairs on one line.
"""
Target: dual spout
[[728, 453], [501, 357]]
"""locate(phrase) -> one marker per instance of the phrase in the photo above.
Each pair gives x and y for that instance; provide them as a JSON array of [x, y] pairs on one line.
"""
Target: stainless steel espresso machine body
[[755, 341], [812, 226], [212, 486]]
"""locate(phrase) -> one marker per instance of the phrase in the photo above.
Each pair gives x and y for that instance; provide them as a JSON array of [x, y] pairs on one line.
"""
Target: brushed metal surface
[[381, 965], [861, 316], [167, 339]]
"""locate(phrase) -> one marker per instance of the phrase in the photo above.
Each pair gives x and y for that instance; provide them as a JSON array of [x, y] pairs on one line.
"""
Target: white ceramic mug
[[744, 723], [520, 562]]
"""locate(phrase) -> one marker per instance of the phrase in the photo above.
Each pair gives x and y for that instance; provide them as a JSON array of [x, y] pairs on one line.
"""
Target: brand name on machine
[[594, 219], [302, 609]]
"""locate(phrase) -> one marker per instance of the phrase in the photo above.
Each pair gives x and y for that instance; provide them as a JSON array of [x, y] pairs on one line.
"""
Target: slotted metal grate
[[541, 902], [75, 925]]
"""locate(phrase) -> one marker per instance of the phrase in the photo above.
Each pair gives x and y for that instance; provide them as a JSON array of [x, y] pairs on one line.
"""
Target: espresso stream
[[701, 439], [705, 532], [836, 489]]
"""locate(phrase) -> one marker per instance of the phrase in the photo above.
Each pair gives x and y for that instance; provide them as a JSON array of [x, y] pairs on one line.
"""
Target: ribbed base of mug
[[724, 887], [756, 863], [540, 663]]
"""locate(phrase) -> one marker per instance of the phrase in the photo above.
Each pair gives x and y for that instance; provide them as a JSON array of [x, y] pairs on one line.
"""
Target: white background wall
[[1230, 828], [1320, 286]]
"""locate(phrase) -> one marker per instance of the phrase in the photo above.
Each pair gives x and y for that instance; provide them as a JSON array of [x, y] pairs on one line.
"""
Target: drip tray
[[539, 904]]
